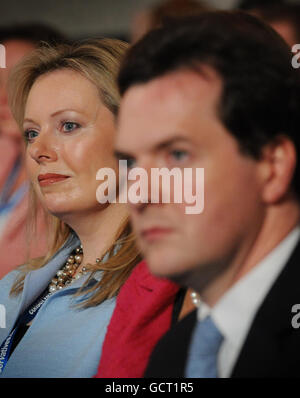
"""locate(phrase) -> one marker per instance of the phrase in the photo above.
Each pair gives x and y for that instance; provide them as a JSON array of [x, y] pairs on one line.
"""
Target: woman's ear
[[278, 163]]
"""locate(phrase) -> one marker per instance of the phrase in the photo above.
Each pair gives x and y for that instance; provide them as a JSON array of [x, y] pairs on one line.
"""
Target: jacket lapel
[[265, 352], [37, 280], [169, 357]]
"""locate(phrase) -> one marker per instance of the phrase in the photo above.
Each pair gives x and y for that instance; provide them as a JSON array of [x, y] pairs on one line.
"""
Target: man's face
[[172, 122]]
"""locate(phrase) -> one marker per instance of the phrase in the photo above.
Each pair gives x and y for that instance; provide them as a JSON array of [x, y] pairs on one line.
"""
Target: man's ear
[[278, 163]]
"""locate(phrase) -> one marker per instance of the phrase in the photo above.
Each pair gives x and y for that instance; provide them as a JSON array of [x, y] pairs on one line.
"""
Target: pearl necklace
[[67, 274]]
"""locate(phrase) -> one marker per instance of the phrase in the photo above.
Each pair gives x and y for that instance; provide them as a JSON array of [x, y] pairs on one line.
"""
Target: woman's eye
[[30, 135], [69, 126]]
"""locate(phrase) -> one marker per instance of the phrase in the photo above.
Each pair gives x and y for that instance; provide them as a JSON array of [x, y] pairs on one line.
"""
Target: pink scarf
[[142, 315]]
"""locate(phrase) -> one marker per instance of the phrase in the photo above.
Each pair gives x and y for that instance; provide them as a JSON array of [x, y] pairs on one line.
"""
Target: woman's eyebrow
[[54, 114], [28, 120], [64, 110]]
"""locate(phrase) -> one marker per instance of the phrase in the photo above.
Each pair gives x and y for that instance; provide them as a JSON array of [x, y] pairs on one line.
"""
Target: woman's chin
[[61, 213], [68, 212], [61, 209]]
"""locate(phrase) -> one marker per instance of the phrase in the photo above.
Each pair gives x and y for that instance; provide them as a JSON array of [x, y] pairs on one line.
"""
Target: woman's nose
[[43, 149]]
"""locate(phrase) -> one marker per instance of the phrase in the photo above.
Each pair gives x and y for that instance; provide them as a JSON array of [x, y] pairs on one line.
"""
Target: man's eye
[[30, 135], [70, 126], [179, 155], [131, 163]]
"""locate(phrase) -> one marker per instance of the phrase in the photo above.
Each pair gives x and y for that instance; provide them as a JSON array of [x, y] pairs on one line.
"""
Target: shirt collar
[[234, 312]]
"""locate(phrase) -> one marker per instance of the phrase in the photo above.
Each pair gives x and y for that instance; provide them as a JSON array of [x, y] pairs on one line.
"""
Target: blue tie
[[203, 350]]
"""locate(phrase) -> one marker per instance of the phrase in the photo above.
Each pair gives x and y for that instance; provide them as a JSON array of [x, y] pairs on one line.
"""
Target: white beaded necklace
[[195, 299], [68, 273]]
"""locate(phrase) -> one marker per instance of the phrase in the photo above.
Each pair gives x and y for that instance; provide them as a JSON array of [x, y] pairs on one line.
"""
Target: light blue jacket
[[62, 341]]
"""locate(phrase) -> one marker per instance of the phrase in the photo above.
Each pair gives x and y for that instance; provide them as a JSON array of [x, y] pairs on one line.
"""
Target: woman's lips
[[50, 178], [155, 233]]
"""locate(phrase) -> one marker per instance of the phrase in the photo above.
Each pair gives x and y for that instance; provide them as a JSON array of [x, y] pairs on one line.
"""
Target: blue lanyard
[[25, 318]]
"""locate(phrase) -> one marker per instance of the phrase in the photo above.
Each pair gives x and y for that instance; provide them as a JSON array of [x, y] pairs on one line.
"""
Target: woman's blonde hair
[[98, 60]]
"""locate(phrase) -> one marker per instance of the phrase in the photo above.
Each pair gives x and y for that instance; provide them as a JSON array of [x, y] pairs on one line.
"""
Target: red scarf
[[142, 315]]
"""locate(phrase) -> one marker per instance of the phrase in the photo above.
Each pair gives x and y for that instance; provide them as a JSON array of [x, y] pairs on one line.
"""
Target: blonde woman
[[58, 307]]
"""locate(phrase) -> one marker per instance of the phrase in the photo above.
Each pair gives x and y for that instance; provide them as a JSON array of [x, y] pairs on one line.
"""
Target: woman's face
[[69, 135]]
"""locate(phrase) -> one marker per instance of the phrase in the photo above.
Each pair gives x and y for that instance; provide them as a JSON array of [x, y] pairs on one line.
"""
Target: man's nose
[[147, 187]]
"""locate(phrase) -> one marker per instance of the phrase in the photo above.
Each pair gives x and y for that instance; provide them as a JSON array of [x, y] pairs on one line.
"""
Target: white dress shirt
[[234, 312]]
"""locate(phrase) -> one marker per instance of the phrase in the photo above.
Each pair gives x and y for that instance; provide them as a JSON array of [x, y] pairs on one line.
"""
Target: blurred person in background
[[283, 17], [161, 13], [18, 41], [249, 4]]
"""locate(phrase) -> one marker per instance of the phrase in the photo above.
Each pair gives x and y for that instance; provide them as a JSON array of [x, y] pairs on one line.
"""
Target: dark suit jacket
[[271, 348]]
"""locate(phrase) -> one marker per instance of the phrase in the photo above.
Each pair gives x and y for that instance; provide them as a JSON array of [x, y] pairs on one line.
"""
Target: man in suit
[[218, 92]]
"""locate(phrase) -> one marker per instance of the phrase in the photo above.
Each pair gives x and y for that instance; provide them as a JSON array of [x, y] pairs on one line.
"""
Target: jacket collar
[[36, 281], [272, 321]]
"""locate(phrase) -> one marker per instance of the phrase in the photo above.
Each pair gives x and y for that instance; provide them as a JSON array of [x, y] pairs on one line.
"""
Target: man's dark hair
[[260, 100]]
